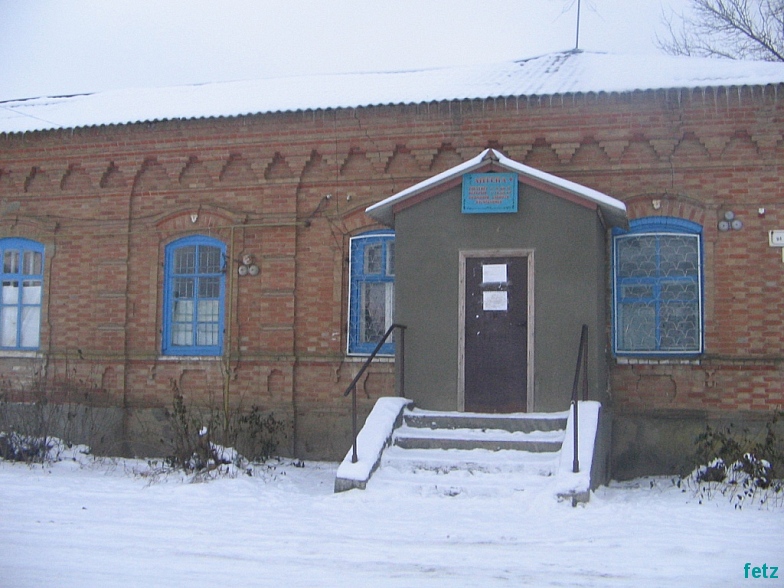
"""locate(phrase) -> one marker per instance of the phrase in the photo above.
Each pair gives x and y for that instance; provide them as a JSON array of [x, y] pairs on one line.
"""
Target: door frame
[[490, 253]]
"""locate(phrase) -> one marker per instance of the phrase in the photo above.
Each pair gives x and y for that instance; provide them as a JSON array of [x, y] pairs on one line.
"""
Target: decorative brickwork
[[290, 189]]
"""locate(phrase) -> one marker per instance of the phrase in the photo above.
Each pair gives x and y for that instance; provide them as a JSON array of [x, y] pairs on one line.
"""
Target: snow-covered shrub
[[26, 427], [40, 407], [255, 434], [24, 448], [206, 439], [743, 450], [192, 447], [739, 466]]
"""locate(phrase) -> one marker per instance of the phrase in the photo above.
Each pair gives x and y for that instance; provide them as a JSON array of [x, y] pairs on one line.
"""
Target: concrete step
[[471, 481], [515, 422], [409, 437], [424, 451], [443, 461], [451, 442]]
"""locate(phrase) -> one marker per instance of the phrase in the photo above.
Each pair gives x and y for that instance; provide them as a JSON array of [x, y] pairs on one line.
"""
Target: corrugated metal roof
[[548, 75]]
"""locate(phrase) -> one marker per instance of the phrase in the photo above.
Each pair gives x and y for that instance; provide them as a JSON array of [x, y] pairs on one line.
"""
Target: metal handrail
[[353, 385], [582, 366]]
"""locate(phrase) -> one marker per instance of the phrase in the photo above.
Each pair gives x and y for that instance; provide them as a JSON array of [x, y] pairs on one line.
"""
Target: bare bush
[[205, 438], [36, 411]]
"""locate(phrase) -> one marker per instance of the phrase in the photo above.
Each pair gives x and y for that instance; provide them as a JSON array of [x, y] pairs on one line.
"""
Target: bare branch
[[736, 29]]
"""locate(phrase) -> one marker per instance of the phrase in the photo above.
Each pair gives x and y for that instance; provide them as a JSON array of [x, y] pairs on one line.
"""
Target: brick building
[[205, 240]]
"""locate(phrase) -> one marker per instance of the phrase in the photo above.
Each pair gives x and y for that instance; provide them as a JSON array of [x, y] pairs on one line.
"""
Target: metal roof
[[570, 72]]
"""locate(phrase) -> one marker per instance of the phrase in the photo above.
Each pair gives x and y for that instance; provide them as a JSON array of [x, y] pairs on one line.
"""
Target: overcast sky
[[56, 47]]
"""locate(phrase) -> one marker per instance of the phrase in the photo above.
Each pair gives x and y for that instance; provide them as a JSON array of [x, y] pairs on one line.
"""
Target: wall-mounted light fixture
[[729, 222], [248, 266]]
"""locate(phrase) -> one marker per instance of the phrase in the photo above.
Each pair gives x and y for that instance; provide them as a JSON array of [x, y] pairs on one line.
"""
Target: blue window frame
[[371, 292], [658, 288], [194, 282], [22, 292]]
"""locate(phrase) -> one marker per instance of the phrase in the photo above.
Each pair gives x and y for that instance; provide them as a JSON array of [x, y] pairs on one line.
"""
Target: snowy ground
[[83, 524]]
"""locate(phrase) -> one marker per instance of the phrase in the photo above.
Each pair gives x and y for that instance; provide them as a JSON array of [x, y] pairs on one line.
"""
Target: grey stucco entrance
[[559, 228]]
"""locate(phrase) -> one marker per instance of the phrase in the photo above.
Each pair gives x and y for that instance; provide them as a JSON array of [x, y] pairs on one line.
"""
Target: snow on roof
[[551, 74], [613, 210]]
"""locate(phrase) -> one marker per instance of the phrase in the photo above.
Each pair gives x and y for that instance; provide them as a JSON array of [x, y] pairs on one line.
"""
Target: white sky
[[54, 47]]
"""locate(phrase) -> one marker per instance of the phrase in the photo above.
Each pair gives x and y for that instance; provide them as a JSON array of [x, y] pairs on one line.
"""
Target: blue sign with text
[[489, 193]]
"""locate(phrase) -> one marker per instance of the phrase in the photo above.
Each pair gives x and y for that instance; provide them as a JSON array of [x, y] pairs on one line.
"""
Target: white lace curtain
[[29, 306]]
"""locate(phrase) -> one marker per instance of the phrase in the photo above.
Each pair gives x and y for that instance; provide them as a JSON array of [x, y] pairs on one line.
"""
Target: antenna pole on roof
[[577, 36]]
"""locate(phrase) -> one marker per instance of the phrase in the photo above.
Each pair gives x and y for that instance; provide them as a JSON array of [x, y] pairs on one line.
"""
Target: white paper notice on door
[[494, 273], [494, 300]]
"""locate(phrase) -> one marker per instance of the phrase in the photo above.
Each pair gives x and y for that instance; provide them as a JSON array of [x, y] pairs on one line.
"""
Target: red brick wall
[[290, 189]]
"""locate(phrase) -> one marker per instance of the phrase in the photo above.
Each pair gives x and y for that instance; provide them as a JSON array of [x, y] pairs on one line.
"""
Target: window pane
[[679, 256], [374, 307], [31, 321], [32, 263], [182, 334], [679, 326], [31, 292], [185, 260], [637, 257], [391, 258], [11, 262], [374, 258], [637, 291], [209, 287], [209, 260], [183, 288], [10, 292], [637, 324], [183, 311], [683, 290], [208, 311], [8, 326], [207, 334]]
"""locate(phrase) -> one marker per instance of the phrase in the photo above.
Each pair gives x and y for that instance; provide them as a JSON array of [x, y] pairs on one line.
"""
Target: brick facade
[[290, 189]]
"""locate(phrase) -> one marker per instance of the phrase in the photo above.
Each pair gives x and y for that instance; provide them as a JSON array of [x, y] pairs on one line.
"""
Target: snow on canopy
[[571, 72], [614, 211]]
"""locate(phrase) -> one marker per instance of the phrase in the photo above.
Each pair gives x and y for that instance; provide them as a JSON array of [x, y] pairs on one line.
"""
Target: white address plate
[[776, 238]]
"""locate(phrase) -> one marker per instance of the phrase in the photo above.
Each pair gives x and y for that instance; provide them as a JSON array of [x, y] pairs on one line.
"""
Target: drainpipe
[[230, 321]]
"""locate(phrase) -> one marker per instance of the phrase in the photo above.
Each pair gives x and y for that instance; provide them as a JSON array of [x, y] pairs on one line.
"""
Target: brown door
[[496, 334]]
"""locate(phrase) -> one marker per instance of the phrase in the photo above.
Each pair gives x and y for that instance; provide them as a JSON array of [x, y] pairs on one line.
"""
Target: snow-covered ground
[[88, 523]]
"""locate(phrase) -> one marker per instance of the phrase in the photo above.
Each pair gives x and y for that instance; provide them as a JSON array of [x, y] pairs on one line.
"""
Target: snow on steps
[[436, 430], [456, 451]]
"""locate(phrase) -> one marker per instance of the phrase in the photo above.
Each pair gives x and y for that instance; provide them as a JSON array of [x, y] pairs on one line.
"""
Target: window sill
[[189, 358], [657, 361], [20, 354], [364, 358]]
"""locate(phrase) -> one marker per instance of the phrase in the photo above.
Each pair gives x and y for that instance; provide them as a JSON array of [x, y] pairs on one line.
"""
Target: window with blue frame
[[194, 281], [371, 292], [20, 307], [658, 291]]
